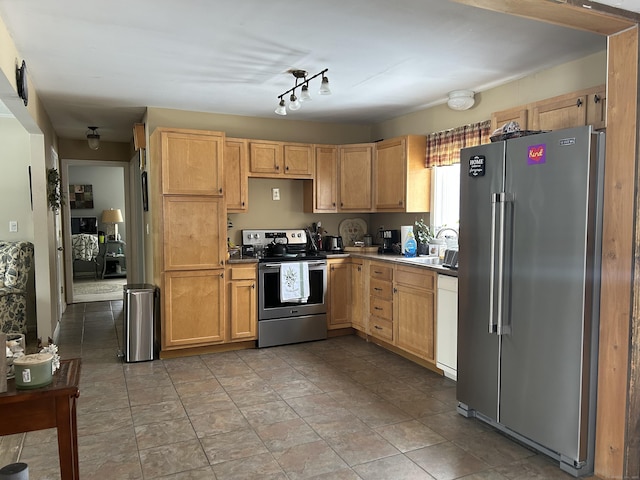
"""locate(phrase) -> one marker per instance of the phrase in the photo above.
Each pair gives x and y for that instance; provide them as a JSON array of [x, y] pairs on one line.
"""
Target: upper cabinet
[[191, 161], [236, 160], [321, 194], [279, 159], [355, 175], [584, 107], [402, 183]]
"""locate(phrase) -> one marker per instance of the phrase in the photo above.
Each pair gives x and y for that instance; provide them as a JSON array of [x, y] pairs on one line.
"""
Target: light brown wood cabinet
[[358, 320], [381, 301], [414, 311], [193, 308], [236, 188], [321, 193], [280, 160], [188, 216], [402, 183], [193, 231], [242, 303], [339, 293], [575, 109], [355, 176], [191, 161]]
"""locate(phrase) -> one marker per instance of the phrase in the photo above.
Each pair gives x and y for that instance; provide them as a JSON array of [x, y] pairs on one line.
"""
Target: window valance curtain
[[443, 148]]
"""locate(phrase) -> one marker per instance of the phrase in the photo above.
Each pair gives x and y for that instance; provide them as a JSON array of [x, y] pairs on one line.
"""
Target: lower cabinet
[[357, 295], [381, 301], [339, 293], [192, 308], [242, 305], [447, 320], [413, 311]]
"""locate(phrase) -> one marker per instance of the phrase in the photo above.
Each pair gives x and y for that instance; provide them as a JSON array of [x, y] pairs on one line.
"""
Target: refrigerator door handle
[[495, 232], [504, 263]]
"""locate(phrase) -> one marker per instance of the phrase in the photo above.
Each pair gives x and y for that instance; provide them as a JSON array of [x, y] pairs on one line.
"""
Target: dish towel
[[294, 282]]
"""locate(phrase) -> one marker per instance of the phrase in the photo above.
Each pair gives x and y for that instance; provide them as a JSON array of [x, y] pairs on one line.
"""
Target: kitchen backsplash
[[264, 212]]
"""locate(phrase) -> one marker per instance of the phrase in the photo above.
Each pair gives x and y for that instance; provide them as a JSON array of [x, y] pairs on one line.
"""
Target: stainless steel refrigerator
[[528, 302]]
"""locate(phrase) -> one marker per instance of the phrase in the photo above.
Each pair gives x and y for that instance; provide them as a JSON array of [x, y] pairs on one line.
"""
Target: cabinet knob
[[400, 203], [287, 168], [243, 204], [579, 103], [596, 98], [222, 275], [253, 285], [359, 268], [277, 167], [333, 204], [341, 204], [395, 290], [220, 190]]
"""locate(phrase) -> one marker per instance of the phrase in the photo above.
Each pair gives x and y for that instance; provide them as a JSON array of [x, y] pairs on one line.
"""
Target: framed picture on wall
[[81, 196], [145, 192]]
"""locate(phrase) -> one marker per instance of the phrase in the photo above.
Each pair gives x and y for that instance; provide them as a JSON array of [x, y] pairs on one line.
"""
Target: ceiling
[[97, 63]]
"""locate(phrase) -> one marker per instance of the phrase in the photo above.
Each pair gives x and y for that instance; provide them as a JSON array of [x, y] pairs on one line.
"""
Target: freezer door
[[481, 175], [545, 358]]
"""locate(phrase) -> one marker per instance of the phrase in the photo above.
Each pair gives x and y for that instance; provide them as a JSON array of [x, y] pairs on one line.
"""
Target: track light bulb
[[281, 109], [294, 104]]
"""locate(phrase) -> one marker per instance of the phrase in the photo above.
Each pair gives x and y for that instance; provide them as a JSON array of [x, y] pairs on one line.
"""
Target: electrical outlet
[[13, 226], [275, 194]]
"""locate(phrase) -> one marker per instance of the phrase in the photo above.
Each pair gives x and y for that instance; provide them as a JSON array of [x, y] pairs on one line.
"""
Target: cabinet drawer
[[380, 289], [381, 328], [416, 277], [243, 273], [381, 272], [381, 308]]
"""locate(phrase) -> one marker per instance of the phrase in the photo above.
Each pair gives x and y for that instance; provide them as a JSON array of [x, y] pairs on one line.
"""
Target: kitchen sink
[[423, 260]]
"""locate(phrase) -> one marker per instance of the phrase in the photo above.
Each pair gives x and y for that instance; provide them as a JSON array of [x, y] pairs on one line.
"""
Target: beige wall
[[41, 143], [586, 72]]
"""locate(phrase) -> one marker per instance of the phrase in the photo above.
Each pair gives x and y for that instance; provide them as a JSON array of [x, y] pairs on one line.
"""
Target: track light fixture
[[302, 82], [93, 138]]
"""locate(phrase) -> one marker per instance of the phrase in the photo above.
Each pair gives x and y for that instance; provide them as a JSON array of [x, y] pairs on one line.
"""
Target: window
[[445, 200]]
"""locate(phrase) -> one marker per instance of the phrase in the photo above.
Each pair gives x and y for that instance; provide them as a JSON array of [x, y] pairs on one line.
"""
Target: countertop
[[391, 258]]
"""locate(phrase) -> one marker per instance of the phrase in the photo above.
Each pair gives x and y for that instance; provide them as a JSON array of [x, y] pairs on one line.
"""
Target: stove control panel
[[265, 237]]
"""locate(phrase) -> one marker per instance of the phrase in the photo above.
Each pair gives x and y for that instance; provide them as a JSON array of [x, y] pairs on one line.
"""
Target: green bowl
[[33, 371]]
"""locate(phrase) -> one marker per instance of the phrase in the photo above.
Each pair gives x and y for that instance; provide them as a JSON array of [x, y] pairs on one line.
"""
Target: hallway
[[337, 409]]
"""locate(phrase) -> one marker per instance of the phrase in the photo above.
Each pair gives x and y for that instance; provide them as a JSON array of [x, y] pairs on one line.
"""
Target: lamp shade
[[112, 216]]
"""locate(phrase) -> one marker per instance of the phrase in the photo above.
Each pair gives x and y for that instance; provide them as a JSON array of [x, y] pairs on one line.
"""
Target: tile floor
[[338, 409]]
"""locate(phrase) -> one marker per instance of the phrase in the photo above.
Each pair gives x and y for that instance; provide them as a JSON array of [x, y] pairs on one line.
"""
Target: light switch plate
[[275, 194], [13, 226]]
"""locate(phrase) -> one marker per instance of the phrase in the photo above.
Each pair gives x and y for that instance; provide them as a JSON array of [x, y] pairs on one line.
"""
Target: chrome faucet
[[445, 229]]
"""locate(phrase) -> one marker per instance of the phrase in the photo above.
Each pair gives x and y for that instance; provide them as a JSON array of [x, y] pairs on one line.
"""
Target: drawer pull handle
[[378, 272], [377, 289], [377, 308], [377, 327]]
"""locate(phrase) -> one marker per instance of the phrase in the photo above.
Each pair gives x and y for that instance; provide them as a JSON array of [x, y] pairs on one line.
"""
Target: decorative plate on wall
[[352, 230]]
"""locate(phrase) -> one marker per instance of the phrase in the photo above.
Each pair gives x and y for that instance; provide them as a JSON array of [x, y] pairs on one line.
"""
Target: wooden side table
[[48, 407]]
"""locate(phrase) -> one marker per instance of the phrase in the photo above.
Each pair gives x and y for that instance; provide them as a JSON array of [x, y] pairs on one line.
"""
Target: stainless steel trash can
[[139, 332]]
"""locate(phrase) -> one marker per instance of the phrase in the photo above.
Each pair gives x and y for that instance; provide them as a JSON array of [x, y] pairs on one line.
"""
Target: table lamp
[[112, 217]]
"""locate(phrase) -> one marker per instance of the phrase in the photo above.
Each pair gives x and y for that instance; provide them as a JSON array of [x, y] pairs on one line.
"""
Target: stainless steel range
[[285, 260]]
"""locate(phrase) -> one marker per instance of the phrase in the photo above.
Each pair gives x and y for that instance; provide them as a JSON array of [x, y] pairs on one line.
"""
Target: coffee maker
[[389, 237]]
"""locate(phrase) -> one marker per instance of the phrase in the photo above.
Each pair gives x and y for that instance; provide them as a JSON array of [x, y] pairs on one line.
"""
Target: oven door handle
[[278, 265], [270, 265]]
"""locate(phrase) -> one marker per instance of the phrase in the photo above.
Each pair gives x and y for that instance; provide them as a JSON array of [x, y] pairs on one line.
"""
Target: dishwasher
[[447, 326]]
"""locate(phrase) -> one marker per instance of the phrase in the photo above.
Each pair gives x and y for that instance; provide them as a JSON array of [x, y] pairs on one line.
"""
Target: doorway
[[95, 258]]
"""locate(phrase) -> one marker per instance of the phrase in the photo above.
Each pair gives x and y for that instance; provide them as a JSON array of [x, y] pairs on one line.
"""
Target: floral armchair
[[16, 259]]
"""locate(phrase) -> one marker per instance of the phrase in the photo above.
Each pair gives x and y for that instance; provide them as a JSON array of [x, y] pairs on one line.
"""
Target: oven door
[[269, 304]]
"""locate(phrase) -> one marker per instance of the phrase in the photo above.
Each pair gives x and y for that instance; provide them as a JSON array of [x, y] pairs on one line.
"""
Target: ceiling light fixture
[[93, 138], [461, 99], [302, 82]]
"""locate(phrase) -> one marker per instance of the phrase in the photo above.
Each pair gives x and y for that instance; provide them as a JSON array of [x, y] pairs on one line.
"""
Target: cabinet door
[[326, 180], [235, 175], [390, 171], [193, 308], [357, 295], [518, 114], [413, 320], [298, 160], [597, 109], [565, 111], [193, 231], [265, 157], [339, 287], [243, 310], [192, 163], [355, 178]]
